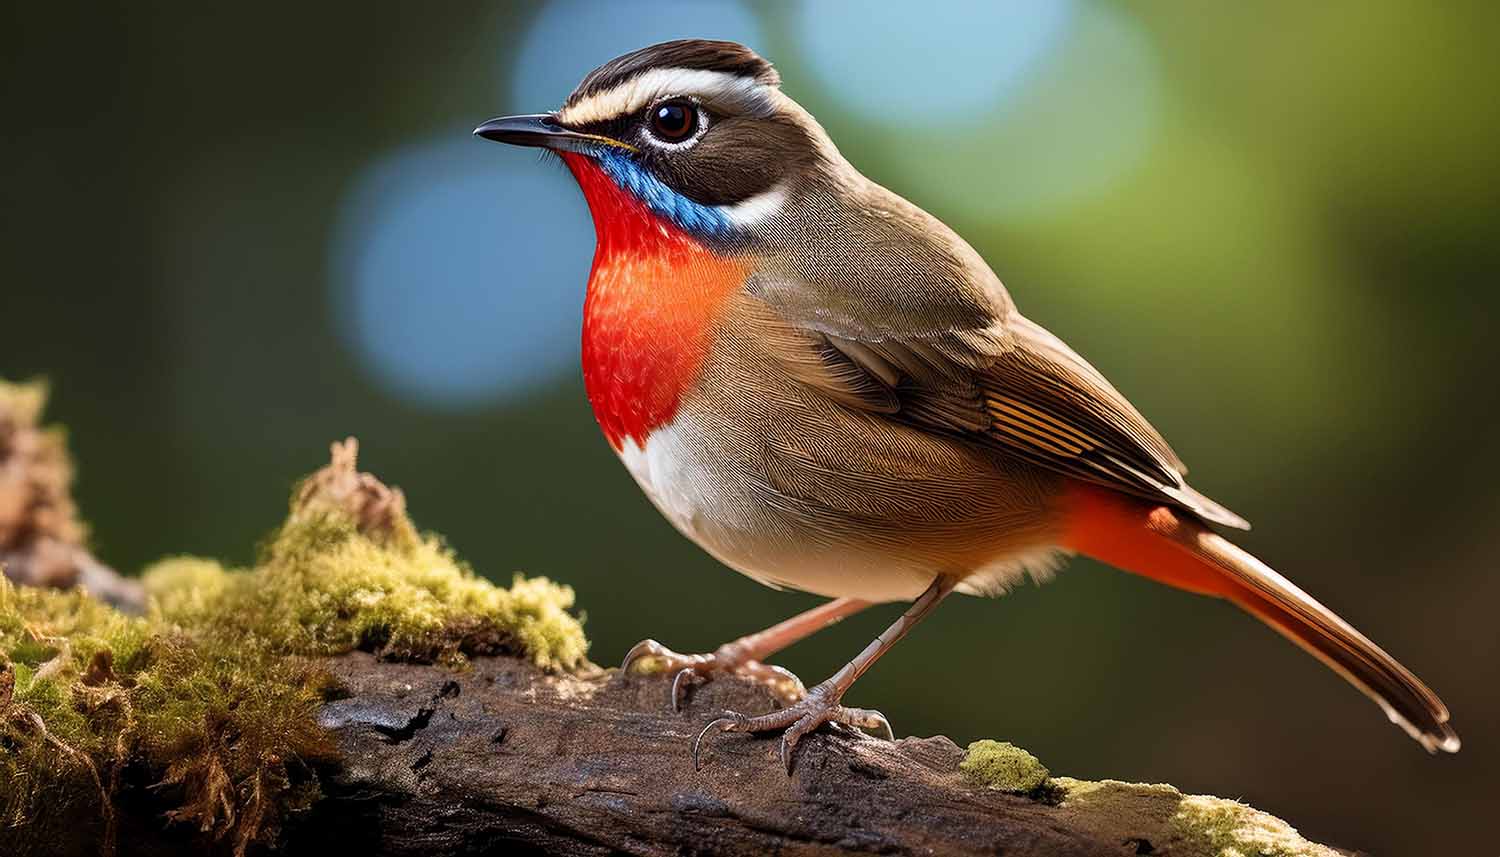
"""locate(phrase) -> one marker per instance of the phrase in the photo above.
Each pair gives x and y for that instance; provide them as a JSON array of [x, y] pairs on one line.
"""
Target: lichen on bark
[[1003, 766], [1157, 818]]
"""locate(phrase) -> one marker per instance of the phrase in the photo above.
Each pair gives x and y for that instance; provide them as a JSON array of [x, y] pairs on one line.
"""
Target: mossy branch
[[504, 757], [563, 764], [208, 704], [361, 689]]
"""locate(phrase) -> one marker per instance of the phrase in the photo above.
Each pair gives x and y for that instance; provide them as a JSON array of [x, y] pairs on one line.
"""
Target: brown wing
[[1051, 403], [1012, 384], [890, 311]]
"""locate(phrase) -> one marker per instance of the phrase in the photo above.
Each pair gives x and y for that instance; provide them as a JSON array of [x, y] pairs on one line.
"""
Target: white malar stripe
[[643, 89], [755, 209]]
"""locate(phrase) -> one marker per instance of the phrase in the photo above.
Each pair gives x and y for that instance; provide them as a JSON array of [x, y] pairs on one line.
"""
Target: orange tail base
[[1171, 547]]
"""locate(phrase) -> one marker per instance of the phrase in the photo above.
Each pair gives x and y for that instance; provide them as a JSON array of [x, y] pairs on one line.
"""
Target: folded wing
[[995, 378]]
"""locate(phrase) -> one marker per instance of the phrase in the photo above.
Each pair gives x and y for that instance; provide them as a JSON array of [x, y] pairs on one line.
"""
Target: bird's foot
[[690, 670], [821, 705]]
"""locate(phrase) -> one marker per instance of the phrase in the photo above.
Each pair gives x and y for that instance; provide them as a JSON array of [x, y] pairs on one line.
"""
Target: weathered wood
[[502, 758]]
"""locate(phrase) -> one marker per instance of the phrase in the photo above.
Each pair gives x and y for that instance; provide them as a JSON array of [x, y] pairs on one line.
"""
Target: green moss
[[55, 718], [1217, 827], [324, 587], [49, 639], [1004, 767], [215, 691], [1166, 821], [186, 586], [1113, 793], [232, 729], [1112, 811], [87, 690]]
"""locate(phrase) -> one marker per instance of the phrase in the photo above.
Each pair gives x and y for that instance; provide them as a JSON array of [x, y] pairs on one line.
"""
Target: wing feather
[[1010, 383]]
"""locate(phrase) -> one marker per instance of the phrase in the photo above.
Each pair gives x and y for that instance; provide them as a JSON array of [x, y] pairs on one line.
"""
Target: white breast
[[666, 470], [699, 502], [726, 515]]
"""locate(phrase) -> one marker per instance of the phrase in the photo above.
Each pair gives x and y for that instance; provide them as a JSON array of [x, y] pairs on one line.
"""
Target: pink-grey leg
[[822, 704], [744, 657]]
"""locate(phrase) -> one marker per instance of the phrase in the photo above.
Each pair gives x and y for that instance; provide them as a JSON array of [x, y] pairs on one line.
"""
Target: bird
[[828, 390]]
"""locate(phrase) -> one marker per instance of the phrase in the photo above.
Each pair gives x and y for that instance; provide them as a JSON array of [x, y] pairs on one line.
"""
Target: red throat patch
[[653, 295]]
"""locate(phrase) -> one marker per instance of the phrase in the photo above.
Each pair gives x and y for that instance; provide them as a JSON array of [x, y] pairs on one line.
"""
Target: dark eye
[[674, 121]]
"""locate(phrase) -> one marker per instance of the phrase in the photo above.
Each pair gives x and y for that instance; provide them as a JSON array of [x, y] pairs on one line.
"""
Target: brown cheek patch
[[736, 159]]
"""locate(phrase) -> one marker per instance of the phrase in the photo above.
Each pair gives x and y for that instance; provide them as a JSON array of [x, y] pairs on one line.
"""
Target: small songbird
[[827, 389]]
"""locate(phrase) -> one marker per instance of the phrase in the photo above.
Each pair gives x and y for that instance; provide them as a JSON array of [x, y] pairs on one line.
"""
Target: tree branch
[[201, 739], [438, 762]]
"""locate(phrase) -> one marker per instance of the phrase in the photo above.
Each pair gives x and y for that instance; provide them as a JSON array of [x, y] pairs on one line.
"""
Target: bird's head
[[696, 132]]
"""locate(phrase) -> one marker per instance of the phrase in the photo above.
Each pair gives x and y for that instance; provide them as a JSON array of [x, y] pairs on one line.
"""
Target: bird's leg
[[822, 704], [743, 657]]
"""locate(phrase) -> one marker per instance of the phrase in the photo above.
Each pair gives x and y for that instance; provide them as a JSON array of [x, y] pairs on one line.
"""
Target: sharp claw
[[723, 723], [819, 708], [638, 651], [789, 740], [685, 677], [793, 736], [689, 670]]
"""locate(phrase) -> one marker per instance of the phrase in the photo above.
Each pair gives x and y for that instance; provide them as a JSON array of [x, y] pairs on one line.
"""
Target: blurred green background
[[231, 235]]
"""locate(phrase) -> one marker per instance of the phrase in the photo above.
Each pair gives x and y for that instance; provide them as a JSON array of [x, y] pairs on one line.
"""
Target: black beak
[[541, 130], [536, 129]]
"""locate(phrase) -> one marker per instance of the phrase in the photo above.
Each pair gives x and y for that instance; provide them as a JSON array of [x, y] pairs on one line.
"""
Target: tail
[[1170, 547]]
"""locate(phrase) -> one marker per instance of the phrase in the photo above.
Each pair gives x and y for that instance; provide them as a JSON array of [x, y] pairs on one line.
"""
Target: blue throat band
[[693, 217]]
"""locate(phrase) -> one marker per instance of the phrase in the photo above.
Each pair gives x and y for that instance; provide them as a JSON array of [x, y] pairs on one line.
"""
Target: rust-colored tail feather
[[1164, 545]]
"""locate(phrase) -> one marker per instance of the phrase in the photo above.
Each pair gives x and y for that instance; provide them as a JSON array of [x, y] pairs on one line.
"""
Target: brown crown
[[728, 57]]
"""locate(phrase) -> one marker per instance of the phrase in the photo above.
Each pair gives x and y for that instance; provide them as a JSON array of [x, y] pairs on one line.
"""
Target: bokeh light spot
[[459, 269], [570, 38], [955, 63], [1085, 117]]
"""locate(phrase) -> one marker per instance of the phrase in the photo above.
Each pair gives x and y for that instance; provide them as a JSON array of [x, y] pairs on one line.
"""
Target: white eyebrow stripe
[[755, 209], [639, 91]]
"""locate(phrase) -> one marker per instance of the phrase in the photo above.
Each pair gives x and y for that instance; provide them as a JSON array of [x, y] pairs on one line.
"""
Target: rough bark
[[504, 759], [445, 763]]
